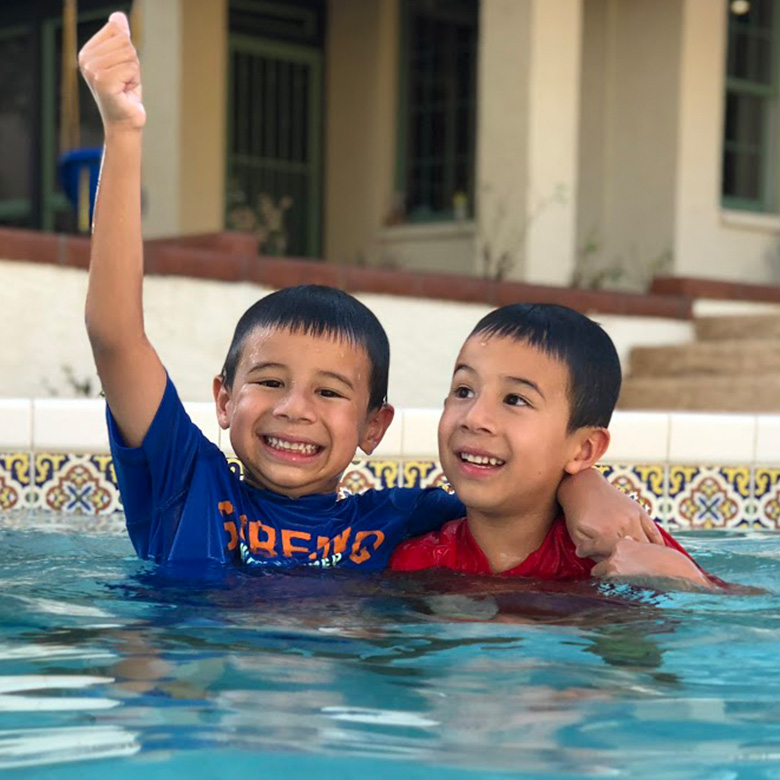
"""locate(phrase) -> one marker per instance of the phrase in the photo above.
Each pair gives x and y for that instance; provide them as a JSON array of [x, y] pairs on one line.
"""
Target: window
[[751, 134], [437, 102]]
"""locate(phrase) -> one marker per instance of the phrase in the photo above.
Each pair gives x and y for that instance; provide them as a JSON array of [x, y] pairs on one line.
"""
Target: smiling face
[[298, 410], [504, 442]]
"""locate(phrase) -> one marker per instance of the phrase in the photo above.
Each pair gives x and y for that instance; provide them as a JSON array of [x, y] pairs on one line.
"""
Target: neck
[[507, 540]]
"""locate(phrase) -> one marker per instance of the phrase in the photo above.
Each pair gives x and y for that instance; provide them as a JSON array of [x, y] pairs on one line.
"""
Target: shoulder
[[428, 550]]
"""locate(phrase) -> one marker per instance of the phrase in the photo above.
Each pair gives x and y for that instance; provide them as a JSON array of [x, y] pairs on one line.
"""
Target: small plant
[[501, 248], [84, 387], [266, 219], [591, 272]]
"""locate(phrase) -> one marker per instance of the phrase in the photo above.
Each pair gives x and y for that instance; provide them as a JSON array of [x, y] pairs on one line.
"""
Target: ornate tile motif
[[646, 483], [14, 480], [365, 473], [423, 474], [710, 497], [76, 484], [236, 466], [766, 503]]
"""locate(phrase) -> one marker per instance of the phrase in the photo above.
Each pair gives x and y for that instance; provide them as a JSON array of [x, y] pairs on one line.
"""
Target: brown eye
[[515, 400], [463, 392]]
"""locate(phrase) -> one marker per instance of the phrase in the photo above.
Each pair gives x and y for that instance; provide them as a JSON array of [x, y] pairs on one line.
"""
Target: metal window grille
[[751, 106], [438, 103]]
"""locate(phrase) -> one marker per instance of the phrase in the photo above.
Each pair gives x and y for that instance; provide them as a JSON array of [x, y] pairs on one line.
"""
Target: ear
[[378, 422], [590, 445], [222, 400]]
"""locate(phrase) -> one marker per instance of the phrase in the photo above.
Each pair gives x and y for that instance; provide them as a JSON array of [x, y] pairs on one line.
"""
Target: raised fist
[[109, 64]]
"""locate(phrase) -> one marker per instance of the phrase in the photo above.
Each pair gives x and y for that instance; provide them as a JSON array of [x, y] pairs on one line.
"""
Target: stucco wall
[[709, 241], [630, 89], [190, 322], [361, 71], [184, 62]]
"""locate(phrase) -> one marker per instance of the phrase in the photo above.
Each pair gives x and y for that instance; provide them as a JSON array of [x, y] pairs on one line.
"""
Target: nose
[[478, 416], [295, 406]]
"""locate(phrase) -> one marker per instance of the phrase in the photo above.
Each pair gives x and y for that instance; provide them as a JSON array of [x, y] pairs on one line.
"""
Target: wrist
[[116, 135]]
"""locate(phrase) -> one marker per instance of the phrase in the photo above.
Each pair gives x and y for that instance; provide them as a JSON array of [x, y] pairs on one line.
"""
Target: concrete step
[[744, 327], [707, 358], [745, 393]]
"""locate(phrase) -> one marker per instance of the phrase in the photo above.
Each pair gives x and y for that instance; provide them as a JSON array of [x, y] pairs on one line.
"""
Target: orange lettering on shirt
[[225, 507], [360, 554], [288, 548], [256, 544], [340, 541], [323, 548], [230, 527]]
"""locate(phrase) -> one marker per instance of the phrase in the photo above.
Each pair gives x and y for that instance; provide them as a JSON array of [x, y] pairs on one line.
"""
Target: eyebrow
[[331, 374], [338, 377], [515, 379]]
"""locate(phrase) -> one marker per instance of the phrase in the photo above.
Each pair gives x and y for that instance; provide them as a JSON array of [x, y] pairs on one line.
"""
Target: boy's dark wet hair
[[576, 341], [315, 310]]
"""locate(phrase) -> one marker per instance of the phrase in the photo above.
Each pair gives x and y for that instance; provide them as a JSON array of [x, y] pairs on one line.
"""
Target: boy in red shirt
[[532, 394]]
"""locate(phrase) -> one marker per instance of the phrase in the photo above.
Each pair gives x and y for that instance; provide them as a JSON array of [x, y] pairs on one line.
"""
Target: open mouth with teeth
[[481, 461], [292, 448]]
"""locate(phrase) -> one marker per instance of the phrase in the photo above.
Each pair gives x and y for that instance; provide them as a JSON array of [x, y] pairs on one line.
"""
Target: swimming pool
[[112, 668]]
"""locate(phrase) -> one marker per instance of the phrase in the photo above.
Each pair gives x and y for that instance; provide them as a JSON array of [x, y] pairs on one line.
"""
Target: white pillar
[[184, 61], [528, 134], [161, 78]]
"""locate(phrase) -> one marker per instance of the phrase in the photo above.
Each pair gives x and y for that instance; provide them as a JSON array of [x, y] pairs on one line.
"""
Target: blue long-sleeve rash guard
[[184, 504]]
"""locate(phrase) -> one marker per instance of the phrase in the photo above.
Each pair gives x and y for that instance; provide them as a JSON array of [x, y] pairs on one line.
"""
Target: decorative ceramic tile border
[[690, 471], [682, 497]]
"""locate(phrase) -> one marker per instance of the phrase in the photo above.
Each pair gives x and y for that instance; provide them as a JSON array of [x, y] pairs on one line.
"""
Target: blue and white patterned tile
[[423, 474], [15, 481], [370, 474], [647, 483], [766, 482], [705, 497], [76, 484]]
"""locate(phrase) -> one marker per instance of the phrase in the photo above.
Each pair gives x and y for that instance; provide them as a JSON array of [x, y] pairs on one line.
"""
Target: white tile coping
[[69, 426], [718, 439], [16, 424], [58, 425]]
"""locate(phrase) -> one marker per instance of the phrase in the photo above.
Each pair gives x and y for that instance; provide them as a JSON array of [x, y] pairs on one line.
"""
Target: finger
[[601, 569], [107, 46], [651, 529], [120, 20], [101, 65], [126, 74], [113, 28]]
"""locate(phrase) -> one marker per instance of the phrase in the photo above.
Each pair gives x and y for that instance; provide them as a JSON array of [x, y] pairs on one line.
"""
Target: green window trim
[[451, 156], [739, 154]]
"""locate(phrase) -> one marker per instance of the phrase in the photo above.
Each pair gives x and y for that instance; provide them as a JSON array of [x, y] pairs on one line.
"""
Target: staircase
[[733, 366]]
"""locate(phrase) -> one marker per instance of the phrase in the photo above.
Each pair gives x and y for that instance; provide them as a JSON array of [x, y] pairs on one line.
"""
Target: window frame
[[402, 129], [767, 202]]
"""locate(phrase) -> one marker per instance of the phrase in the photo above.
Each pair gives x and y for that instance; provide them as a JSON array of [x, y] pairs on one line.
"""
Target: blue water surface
[[112, 668]]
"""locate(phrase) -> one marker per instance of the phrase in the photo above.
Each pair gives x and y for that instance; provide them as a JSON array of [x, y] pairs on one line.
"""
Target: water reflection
[[430, 670]]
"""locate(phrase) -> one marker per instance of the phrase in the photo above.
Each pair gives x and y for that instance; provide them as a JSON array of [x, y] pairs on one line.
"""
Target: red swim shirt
[[453, 547]]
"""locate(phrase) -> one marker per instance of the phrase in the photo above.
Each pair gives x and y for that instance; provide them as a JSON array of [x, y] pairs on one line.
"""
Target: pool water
[[112, 668]]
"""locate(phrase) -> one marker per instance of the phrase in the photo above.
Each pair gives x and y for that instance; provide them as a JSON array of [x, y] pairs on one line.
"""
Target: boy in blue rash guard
[[304, 385]]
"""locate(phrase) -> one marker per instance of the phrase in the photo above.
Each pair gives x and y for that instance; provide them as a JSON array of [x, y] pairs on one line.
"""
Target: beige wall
[[361, 64], [710, 242], [203, 115], [190, 322], [184, 59], [628, 147], [527, 135], [161, 76]]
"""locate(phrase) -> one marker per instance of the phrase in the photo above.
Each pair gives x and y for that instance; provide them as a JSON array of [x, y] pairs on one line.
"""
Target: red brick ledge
[[231, 257], [691, 287]]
